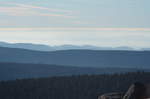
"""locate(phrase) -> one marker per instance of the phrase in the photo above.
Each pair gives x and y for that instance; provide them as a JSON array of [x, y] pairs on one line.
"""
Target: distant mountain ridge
[[80, 58], [42, 47], [38, 47]]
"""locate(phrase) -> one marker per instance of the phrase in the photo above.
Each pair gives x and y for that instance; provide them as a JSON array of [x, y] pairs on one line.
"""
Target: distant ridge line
[[42, 47]]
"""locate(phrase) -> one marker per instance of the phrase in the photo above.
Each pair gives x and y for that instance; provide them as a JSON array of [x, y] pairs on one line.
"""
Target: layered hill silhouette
[[80, 58], [42, 47], [12, 71]]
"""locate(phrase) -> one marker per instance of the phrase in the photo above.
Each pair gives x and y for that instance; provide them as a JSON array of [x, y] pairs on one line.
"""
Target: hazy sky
[[94, 22]]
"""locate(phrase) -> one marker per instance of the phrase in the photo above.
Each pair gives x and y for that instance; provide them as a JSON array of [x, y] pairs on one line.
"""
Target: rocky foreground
[[136, 91]]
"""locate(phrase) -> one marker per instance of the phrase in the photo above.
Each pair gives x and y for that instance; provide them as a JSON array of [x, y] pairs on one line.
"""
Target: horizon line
[[80, 45]]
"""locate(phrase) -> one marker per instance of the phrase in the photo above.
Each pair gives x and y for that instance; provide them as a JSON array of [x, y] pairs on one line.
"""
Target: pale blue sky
[[95, 22]]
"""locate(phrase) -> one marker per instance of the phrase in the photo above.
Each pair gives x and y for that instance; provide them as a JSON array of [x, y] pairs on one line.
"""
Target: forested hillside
[[12, 71], [73, 87]]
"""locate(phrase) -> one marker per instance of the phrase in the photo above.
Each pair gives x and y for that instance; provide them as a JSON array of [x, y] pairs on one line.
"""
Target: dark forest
[[72, 87]]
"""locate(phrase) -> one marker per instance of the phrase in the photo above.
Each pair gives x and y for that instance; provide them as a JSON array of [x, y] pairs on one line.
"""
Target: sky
[[110, 23]]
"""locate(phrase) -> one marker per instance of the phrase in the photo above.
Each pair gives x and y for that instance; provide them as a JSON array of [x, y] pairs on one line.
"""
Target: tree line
[[70, 87]]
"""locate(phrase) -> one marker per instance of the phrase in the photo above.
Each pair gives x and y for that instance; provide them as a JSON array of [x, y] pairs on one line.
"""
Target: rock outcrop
[[136, 91], [114, 95]]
